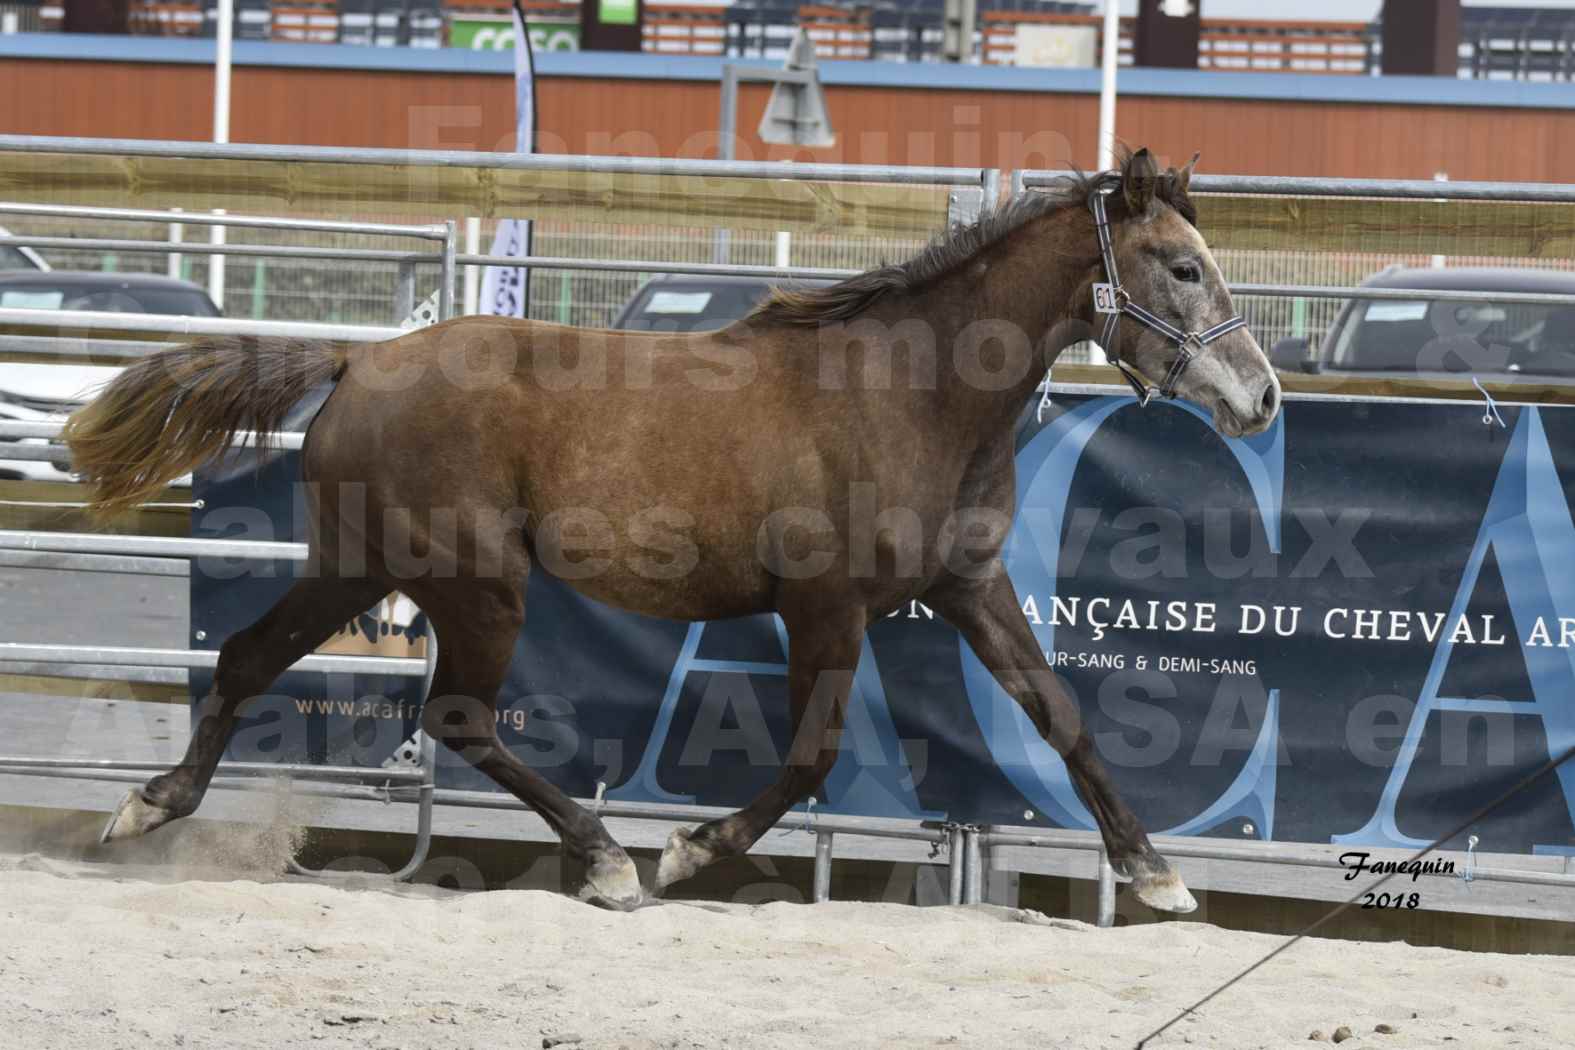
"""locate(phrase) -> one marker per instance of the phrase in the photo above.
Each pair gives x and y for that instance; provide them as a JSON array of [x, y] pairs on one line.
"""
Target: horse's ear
[[1184, 175], [1137, 181]]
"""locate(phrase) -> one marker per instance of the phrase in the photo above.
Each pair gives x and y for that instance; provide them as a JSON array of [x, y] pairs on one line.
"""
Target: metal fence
[[605, 254], [1287, 291], [596, 266]]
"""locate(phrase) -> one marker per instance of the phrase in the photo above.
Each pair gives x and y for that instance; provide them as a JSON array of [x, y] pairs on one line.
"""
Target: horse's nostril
[[1271, 400]]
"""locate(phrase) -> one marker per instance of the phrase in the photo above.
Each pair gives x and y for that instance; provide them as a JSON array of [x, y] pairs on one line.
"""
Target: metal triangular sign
[[796, 114], [423, 315]]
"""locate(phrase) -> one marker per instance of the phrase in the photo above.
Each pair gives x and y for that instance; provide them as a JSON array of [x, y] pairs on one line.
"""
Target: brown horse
[[697, 477]]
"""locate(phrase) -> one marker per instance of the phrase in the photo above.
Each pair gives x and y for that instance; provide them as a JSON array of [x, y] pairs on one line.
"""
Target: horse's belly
[[653, 565]]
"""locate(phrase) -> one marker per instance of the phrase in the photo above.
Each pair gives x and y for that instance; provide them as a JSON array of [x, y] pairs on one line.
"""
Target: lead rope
[[1399, 869]]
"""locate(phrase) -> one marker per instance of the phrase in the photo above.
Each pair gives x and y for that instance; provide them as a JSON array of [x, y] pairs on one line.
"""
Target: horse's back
[[635, 444]]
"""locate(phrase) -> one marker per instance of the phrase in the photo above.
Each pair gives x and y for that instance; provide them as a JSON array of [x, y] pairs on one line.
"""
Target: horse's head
[[1166, 270]]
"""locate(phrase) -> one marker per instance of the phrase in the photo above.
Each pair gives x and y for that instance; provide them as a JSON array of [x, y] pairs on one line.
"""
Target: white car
[[50, 393]]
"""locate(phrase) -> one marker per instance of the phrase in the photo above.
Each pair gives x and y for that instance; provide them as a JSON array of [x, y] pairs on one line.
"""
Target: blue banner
[[1358, 628]]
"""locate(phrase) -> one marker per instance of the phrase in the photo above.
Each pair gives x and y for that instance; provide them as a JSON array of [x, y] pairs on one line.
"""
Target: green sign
[[490, 33], [617, 12]]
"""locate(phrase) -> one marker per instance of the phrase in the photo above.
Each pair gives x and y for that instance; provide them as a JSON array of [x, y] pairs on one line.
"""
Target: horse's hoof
[[134, 817], [680, 859], [1164, 891], [612, 882]]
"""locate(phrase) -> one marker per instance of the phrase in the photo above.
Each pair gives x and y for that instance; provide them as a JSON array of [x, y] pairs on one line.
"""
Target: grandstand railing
[[1495, 43]]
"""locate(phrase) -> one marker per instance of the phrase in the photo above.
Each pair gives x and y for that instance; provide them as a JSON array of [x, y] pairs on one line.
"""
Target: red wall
[[903, 125]]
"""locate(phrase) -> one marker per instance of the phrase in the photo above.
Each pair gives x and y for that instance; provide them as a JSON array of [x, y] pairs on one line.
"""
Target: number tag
[[1105, 299]]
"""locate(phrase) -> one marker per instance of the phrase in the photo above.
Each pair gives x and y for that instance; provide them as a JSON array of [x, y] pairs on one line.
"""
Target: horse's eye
[[1186, 272]]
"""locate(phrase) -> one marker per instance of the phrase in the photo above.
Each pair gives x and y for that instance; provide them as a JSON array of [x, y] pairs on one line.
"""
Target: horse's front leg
[[987, 614], [823, 653]]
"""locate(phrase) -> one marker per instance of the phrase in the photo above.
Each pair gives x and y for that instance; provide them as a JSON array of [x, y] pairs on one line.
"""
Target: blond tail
[[176, 409]]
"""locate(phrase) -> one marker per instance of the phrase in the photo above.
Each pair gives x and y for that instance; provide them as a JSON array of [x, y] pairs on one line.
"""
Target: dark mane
[[951, 250]]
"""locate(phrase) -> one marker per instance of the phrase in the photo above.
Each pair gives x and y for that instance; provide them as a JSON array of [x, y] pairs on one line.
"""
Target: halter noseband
[[1112, 300]]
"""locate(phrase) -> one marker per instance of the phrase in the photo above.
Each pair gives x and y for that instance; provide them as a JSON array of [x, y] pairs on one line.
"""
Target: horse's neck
[[1002, 319]]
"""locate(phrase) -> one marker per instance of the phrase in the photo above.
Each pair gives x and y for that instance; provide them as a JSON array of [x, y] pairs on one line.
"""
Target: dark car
[[125, 293], [1426, 336], [689, 303], [48, 393]]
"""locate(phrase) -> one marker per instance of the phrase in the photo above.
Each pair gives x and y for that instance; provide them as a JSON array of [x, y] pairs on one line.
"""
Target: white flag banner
[[505, 291]]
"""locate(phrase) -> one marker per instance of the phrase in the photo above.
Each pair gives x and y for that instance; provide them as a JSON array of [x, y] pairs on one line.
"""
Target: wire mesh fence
[[367, 292], [364, 292]]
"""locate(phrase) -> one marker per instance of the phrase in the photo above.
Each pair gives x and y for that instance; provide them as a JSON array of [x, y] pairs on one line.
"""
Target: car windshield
[[113, 299], [1483, 338], [691, 307], [13, 259]]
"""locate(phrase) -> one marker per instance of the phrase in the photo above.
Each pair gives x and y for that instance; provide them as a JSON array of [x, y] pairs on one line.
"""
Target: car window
[[691, 308], [12, 259], [1478, 338], [131, 300], [28, 299]]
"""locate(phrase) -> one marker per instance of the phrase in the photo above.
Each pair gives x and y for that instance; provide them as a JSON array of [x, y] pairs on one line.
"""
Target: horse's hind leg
[[987, 614], [477, 623], [823, 653], [249, 661]]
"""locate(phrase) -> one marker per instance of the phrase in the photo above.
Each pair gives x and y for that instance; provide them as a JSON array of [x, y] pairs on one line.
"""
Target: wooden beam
[[1543, 393], [1499, 229], [422, 192], [28, 506]]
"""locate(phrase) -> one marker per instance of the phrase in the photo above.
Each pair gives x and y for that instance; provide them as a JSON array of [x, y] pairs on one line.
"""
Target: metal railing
[[85, 660], [442, 234], [127, 552], [909, 175], [981, 841]]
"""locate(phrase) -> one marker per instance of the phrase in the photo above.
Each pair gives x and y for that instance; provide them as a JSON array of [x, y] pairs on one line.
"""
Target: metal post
[[405, 292], [823, 866], [1002, 885], [728, 133], [1438, 260], [223, 53], [1106, 911], [427, 788], [446, 281], [177, 234], [973, 866], [472, 298], [992, 191], [423, 846], [1107, 86], [954, 847], [428, 760], [728, 125]]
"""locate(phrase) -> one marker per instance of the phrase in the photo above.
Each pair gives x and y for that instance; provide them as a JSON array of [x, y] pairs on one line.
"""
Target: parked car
[[13, 257], [46, 392], [1426, 336], [692, 303]]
